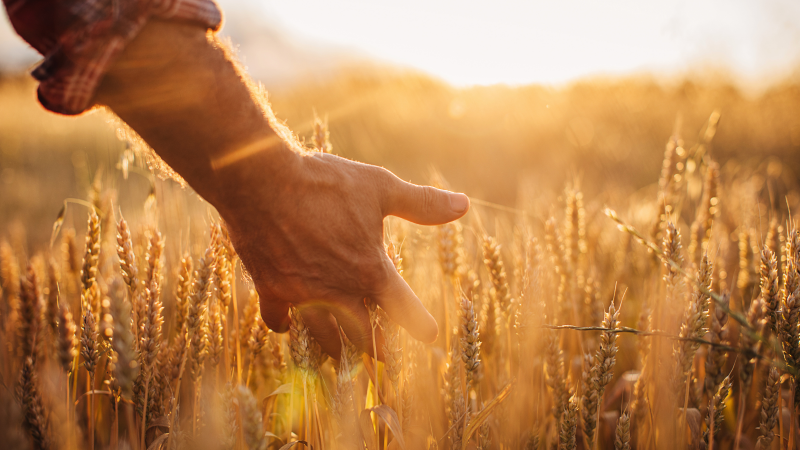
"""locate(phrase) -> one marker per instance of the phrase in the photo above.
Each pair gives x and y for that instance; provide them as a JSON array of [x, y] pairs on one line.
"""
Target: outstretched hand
[[311, 235], [308, 227]]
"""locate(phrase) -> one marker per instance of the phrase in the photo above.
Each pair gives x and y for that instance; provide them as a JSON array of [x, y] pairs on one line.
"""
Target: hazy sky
[[500, 41]]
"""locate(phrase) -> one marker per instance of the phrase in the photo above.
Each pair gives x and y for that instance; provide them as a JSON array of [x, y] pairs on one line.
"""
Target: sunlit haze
[[483, 42], [516, 42]]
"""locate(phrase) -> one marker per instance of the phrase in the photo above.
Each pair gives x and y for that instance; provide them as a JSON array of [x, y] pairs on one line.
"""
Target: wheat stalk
[[223, 280], [249, 321], [715, 417], [568, 425], [90, 355], [30, 314], [533, 442], [392, 348], [256, 343], [747, 272], [666, 186], [769, 410], [125, 366], [183, 291], [716, 359], [470, 342], [66, 344], [693, 327], [70, 251], [183, 296], [600, 374], [484, 437], [230, 426], [392, 352], [450, 241], [127, 258], [300, 343], [251, 419], [790, 304], [770, 293], [408, 402], [458, 415], [488, 325], [622, 435], [343, 402], [216, 340], [91, 256], [151, 326], [497, 276], [197, 323], [575, 238], [36, 421], [673, 260], [50, 305], [196, 319], [89, 350], [555, 375], [322, 135], [755, 316], [707, 210]]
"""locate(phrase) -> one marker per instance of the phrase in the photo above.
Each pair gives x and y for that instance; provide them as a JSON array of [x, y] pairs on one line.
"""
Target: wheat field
[[598, 316]]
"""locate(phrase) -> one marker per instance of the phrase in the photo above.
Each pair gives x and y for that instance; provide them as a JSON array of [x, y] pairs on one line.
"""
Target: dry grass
[[560, 327]]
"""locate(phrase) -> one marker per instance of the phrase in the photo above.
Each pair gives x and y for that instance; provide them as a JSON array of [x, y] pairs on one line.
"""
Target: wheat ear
[[568, 425], [30, 313], [36, 421], [470, 341], [125, 366], [770, 293], [256, 343], [555, 375], [251, 417], [622, 435], [715, 416], [769, 410], [600, 374], [693, 326], [707, 210], [716, 359]]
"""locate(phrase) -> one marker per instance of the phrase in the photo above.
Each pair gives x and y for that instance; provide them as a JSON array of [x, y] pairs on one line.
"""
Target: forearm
[[180, 91]]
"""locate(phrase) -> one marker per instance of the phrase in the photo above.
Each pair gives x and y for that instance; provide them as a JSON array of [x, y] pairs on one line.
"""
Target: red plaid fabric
[[79, 39]]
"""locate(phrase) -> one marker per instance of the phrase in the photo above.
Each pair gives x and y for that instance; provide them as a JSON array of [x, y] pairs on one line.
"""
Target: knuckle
[[377, 175], [427, 195], [383, 174], [383, 182]]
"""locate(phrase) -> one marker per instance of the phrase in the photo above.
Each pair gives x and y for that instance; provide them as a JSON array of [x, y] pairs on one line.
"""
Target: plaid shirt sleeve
[[79, 39]]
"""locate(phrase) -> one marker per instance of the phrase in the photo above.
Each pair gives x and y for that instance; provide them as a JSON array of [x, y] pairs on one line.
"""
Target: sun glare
[[480, 42]]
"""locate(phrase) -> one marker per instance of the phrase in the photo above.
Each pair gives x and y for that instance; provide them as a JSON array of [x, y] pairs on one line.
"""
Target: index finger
[[405, 308]]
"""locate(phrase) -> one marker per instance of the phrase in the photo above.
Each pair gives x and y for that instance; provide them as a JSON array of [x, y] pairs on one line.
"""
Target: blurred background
[[509, 101]]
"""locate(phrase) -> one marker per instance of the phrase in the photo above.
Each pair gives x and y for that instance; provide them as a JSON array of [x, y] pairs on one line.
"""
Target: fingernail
[[459, 202]]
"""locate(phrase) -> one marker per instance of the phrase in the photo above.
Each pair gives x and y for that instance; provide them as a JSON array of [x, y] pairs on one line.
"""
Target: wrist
[[250, 173]]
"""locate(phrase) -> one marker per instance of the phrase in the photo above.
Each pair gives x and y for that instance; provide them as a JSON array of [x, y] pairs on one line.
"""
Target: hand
[[311, 235], [309, 228]]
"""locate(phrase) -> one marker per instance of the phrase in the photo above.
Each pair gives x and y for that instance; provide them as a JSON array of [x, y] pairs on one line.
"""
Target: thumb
[[423, 205]]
